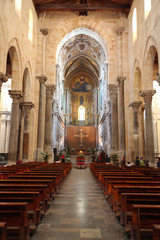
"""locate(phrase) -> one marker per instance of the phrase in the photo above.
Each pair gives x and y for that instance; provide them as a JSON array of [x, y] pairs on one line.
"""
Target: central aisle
[[79, 211]]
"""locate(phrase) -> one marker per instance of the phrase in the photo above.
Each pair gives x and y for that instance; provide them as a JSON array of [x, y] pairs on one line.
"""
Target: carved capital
[[50, 89], [121, 80], [42, 78], [119, 31], [27, 106], [16, 95], [44, 31], [147, 95], [3, 78], [112, 91], [135, 105]]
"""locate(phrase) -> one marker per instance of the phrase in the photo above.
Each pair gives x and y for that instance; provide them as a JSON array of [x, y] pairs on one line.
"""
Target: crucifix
[[81, 136]]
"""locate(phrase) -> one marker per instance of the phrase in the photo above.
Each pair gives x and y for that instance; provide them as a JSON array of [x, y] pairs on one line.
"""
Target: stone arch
[[87, 32], [107, 36], [16, 64], [27, 82], [148, 65], [137, 81]]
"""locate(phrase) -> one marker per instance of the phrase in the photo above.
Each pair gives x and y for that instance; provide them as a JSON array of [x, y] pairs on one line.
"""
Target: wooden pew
[[51, 181], [135, 182], [156, 232], [115, 198], [122, 179], [3, 230], [16, 216], [143, 218], [30, 188], [32, 198], [128, 199]]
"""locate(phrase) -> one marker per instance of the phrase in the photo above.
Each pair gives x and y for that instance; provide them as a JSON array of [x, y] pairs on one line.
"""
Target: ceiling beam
[[82, 7]]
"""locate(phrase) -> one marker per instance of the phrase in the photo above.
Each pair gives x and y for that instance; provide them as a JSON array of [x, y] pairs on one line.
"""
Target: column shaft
[[149, 139], [40, 134], [50, 88], [114, 116], [16, 95], [135, 105], [121, 80]]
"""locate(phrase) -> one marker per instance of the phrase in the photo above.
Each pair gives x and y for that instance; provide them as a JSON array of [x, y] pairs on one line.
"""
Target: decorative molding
[[135, 105], [147, 95], [44, 31], [50, 89], [42, 78], [121, 80], [16, 95]]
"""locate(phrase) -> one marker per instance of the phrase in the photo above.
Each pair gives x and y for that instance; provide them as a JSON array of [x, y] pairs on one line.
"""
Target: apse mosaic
[[82, 85]]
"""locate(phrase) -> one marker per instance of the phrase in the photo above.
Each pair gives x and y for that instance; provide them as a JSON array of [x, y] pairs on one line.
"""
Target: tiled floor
[[79, 211]]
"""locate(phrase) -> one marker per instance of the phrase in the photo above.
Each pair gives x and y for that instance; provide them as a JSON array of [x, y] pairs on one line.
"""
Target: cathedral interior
[[79, 74], [79, 119]]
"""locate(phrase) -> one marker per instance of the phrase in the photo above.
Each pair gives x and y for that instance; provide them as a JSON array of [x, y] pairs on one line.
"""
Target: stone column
[[44, 31], [120, 81], [48, 145], [114, 116], [135, 105], [119, 32], [149, 140], [24, 131], [40, 135], [16, 95]]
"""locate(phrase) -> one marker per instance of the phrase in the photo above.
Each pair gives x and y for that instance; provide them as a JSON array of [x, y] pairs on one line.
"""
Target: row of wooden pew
[[26, 192], [134, 195]]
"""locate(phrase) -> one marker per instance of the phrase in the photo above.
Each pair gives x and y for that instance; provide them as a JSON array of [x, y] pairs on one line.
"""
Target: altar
[[80, 162]]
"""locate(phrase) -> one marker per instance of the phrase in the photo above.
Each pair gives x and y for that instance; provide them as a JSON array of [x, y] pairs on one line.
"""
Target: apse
[[81, 83]]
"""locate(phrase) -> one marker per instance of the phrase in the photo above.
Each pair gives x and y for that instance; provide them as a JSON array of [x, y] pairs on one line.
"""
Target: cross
[[81, 136]]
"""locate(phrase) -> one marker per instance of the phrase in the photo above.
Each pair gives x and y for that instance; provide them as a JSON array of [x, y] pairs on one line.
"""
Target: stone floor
[[79, 211]]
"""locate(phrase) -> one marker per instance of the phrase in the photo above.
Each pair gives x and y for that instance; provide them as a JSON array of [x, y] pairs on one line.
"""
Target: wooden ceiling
[[82, 6]]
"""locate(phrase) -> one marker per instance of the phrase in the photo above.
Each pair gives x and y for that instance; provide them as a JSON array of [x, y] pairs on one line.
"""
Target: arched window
[[30, 30], [81, 113], [134, 25], [147, 8], [18, 7]]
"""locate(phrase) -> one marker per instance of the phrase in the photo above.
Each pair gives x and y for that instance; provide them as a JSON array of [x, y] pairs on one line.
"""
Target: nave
[[79, 211]]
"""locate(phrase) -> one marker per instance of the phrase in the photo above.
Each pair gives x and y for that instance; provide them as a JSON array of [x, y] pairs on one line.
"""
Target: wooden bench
[[123, 179], [143, 218], [115, 198], [16, 216], [32, 198], [30, 188], [156, 232], [3, 230], [128, 199]]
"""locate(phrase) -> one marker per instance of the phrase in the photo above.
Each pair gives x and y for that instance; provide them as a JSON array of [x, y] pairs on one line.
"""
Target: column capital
[[119, 31], [27, 106], [112, 91], [121, 79], [16, 95], [44, 31], [135, 105], [147, 95], [50, 89], [3, 78], [42, 78]]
